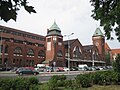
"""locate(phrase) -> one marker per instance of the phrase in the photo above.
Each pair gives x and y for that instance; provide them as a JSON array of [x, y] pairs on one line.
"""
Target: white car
[[66, 69]]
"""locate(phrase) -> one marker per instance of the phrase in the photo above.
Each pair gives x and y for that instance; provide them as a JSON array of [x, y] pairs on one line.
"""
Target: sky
[[72, 16]]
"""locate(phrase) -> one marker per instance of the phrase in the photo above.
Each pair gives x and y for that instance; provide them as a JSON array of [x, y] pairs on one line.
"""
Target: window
[[30, 52], [6, 49], [59, 39], [59, 53], [77, 53], [41, 53], [1, 48], [49, 40], [40, 45], [0, 60], [13, 60], [17, 50]]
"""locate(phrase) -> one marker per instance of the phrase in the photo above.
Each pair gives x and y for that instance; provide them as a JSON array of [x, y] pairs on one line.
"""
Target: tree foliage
[[9, 8], [108, 12], [107, 57], [116, 64]]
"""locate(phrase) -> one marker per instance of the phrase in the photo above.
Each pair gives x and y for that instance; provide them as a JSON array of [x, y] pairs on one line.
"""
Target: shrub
[[70, 84], [102, 77], [19, 84], [5, 83], [56, 81], [116, 78], [53, 83], [83, 80], [61, 80], [32, 80]]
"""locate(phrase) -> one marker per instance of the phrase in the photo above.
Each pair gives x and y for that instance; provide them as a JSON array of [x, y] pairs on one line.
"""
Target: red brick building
[[112, 52], [20, 48]]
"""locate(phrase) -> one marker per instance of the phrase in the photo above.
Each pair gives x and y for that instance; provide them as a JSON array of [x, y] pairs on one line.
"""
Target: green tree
[[107, 58], [116, 64], [108, 12], [9, 8]]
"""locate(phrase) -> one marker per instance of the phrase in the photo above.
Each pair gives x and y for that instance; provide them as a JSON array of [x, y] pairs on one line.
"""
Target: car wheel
[[20, 74], [35, 73]]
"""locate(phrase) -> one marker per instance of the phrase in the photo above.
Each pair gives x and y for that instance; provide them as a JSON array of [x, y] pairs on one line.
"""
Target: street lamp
[[0, 46], [93, 62], [68, 51]]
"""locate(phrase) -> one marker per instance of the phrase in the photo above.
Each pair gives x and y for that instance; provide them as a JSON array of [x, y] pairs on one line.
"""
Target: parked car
[[32, 68], [18, 69], [66, 69], [49, 69], [27, 71], [60, 69], [40, 69], [5, 68]]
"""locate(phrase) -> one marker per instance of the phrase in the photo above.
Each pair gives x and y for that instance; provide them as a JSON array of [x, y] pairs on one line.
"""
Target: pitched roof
[[98, 32], [70, 41], [115, 51], [87, 47], [107, 47]]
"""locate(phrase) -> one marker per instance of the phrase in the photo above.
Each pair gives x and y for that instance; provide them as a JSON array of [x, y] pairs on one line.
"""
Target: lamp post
[[1, 46], [93, 62], [55, 59], [68, 51]]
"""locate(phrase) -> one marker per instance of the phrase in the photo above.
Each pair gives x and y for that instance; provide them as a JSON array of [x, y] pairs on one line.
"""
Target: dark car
[[27, 71], [73, 69], [5, 68]]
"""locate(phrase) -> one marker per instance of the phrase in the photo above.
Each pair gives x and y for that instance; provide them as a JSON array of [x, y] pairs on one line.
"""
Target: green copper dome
[[54, 27], [98, 32], [54, 30]]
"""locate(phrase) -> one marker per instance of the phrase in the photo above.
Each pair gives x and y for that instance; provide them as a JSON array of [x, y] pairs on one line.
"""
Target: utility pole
[[68, 51]]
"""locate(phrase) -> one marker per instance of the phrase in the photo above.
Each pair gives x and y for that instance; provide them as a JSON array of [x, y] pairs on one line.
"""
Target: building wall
[[52, 49], [99, 41], [10, 41]]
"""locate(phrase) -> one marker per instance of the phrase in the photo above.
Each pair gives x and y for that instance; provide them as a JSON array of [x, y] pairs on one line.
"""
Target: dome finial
[[54, 26]]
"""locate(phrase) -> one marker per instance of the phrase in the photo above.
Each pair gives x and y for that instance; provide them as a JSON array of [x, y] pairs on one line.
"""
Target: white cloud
[[70, 15]]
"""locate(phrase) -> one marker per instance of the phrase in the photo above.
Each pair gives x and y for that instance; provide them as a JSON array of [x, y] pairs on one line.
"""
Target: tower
[[99, 41], [54, 46]]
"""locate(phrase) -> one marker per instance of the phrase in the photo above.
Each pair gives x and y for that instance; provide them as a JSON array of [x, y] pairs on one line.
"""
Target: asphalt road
[[43, 76]]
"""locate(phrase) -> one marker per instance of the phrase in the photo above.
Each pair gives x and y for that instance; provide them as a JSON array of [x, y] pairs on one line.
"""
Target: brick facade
[[20, 48]]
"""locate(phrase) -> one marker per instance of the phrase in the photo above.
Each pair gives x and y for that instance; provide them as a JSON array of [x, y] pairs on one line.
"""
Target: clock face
[[96, 43]]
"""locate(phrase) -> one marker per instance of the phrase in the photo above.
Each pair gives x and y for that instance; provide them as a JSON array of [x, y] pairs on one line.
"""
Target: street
[[42, 76]]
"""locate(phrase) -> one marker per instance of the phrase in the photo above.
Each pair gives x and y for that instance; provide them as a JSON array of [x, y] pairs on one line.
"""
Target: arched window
[[41, 53], [17, 50], [77, 52], [59, 53], [30, 52], [6, 49]]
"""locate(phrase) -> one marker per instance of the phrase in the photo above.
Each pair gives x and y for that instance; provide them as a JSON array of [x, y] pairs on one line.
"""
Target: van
[[82, 67]]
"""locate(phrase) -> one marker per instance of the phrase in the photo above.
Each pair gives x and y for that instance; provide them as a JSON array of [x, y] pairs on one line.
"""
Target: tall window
[[41, 53], [30, 52], [1, 48], [59, 53], [77, 52], [0, 60], [6, 49], [17, 50], [48, 39]]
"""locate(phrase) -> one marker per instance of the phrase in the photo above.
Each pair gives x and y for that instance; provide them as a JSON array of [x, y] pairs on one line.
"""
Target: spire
[[54, 27], [98, 32], [54, 30]]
